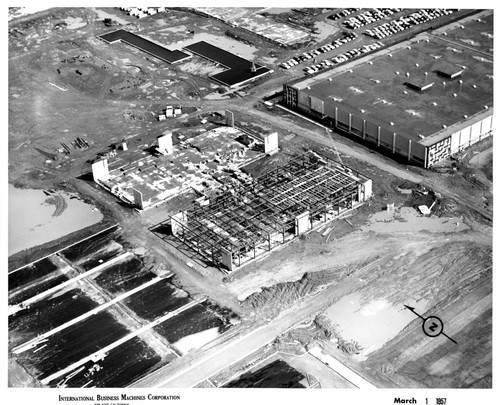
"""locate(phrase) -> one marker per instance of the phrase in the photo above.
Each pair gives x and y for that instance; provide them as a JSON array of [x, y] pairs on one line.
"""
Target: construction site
[[204, 163], [195, 203], [248, 221]]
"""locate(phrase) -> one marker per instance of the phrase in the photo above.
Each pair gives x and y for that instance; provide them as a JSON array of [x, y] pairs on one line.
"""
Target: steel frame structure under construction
[[279, 205]]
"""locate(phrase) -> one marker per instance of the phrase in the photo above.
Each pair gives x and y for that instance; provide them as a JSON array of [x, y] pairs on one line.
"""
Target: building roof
[[377, 92]]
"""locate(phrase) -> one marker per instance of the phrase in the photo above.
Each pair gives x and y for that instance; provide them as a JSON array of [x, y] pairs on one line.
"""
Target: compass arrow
[[416, 313]]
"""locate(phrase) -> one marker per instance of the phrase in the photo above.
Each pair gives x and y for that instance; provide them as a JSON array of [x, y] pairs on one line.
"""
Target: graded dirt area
[[64, 83]]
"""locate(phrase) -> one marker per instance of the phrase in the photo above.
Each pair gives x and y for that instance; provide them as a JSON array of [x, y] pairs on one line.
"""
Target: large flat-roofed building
[[424, 99]]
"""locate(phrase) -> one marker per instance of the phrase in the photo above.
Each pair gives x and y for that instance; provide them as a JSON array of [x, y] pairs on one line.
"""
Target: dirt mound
[[282, 295]]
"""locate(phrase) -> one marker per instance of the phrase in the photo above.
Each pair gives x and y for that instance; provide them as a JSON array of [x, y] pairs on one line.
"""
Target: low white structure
[[229, 118], [271, 143], [165, 145], [100, 170], [138, 199], [302, 223]]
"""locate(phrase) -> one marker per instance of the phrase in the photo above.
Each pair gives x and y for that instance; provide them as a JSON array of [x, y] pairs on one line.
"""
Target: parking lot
[[305, 56], [382, 27], [406, 22], [369, 17]]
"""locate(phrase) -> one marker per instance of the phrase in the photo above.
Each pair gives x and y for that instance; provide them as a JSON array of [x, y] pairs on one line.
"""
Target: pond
[[372, 324], [38, 216]]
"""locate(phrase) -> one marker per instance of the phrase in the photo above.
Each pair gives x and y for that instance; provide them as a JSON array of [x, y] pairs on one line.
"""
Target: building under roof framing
[[248, 221]]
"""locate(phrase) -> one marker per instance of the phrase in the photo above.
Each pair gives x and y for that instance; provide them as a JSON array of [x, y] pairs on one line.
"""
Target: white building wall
[[471, 134], [165, 145], [176, 221], [226, 258], [368, 189], [302, 223], [100, 170], [271, 143]]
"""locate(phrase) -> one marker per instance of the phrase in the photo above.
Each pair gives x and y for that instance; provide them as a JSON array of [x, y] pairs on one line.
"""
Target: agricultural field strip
[[102, 353], [39, 339], [341, 369], [16, 308], [64, 248]]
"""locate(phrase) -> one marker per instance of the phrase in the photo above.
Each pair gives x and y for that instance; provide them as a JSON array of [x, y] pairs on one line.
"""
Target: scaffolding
[[250, 220]]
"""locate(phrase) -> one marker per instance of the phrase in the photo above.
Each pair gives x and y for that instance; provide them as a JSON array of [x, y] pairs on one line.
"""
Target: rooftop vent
[[419, 82], [474, 86], [454, 94], [405, 92], [485, 107], [370, 63], [417, 65], [362, 111], [397, 73], [434, 104], [444, 126], [466, 116], [460, 81], [448, 70], [391, 123]]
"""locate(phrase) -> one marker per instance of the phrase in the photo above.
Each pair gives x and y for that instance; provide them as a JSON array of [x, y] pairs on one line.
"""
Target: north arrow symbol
[[412, 309], [434, 325]]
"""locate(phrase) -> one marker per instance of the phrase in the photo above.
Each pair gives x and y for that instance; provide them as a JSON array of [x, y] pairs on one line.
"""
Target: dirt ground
[[64, 83]]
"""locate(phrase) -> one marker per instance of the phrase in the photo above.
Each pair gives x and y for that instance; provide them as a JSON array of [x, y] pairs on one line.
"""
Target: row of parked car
[[343, 57], [141, 12], [405, 22], [316, 52], [343, 13], [369, 17]]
